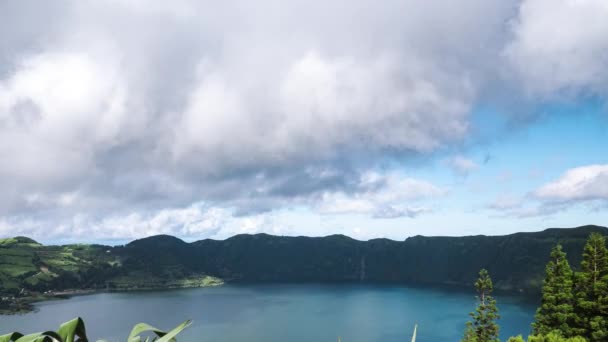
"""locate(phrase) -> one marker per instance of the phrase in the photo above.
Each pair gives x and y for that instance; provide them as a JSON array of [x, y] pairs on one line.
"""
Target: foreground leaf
[[170, 336], [47, 336], [414, 336], [71, 329], [11, 337], [141, 328]]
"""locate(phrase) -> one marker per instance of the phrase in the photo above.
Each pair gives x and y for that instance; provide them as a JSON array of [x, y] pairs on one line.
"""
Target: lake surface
[[294, 313]]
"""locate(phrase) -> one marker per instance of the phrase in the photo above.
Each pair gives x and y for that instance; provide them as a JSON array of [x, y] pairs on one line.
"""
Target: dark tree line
[[574, 305]]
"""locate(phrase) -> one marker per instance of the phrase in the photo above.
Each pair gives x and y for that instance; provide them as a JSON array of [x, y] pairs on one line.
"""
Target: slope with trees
[[515, 261], [573, 305]]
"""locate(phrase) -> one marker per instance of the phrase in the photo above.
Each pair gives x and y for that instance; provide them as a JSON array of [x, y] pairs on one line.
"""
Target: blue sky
[[510, 164], [124, 119]]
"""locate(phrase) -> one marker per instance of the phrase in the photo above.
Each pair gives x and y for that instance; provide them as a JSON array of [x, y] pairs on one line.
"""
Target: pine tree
[[592, 290], [484, 327], [469, 334], [555, 336], [556, 311]]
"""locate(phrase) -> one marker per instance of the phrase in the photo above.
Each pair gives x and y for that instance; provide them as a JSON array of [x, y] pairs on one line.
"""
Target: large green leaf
[[73, 329], [11, 337], [141, 328], [170, 336], [47, 336]]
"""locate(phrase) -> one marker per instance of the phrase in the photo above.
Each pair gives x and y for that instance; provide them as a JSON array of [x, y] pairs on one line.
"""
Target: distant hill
[[516, 262]]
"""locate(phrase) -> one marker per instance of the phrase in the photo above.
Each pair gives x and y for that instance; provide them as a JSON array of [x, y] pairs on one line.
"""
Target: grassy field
[[31, 272], [140, 281], [27, 264], [16, 262]]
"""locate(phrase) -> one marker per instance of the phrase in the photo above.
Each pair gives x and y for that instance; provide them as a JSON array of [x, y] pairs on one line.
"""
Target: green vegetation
[[556, 310], [75, 330], [27, 265], [574, 305], [135, 281], [515, 261], [591, 291], [550, 337], [484, 327], [31, 272]]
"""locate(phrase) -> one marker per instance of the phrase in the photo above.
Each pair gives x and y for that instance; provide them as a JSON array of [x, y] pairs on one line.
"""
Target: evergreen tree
[[469, 334], [484, 327], [555, 336], [592, 290], [556, 311]]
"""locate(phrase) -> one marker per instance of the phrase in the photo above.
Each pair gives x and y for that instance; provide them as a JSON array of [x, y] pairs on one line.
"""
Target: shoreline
[[25, 305]]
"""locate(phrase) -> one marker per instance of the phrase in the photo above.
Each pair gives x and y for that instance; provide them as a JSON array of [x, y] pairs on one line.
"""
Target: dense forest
[[573, 306], [515, 261]]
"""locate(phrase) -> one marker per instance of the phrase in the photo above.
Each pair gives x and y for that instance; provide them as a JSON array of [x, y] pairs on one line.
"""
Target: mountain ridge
[[586, 228], [516, 261]]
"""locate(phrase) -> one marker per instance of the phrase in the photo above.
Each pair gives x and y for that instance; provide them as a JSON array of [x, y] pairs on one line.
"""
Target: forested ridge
[[573, 305], [516, 261]]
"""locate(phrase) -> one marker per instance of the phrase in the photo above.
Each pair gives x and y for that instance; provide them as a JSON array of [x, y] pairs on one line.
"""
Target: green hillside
[[515, 261], [26, 264]]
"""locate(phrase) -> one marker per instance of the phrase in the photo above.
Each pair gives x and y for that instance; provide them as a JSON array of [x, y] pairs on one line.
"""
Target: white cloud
[[57, 111], [197, 221], [52, 96], [462, 166], [318, 108], [585, 183], [561, 46], [123, 106], [505, 202], [381, 196]]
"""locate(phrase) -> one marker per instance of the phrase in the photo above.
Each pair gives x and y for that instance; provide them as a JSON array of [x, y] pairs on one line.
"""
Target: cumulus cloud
[[127, 109], [387, 196], [585, 183], [197, 221], [322, 103], [561, 47]]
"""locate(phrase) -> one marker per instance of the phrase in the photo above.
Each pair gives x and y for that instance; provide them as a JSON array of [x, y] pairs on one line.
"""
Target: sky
[[122, 119]]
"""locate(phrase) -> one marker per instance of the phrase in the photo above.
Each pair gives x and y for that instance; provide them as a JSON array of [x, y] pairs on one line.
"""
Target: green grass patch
[[40, 277], [137, 281]]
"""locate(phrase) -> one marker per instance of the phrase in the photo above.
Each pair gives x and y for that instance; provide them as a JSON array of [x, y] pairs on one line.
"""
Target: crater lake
[[286, 312]]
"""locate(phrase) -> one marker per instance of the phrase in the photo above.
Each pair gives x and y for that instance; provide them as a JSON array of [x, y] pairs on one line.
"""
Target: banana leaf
[[11, 337], [47, 336], [170, 336], [140, 328], [73, 329]]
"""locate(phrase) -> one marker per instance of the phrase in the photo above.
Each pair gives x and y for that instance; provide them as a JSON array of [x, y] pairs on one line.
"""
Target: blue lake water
[[271, 313]]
